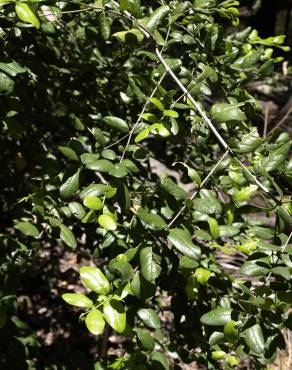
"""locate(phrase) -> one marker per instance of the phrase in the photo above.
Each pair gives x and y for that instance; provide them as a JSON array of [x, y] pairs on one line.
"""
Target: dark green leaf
[[217, 317], [27, 229], [153, 220], [182, 241], [254, 338], [149, 267], [67, 236], [149, 317]]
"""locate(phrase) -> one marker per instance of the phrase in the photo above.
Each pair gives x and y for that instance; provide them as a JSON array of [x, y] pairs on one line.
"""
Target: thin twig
[[202, 184], [140, 117], [281, 122], [282, 251], [266, 121]]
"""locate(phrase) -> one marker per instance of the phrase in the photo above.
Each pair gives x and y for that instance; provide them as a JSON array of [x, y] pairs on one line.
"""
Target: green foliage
[[92, 129]]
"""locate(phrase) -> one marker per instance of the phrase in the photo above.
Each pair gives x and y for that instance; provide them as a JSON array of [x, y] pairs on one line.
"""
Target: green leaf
[[67, 236], [89, 159], [142, 135], [115, 315], [159, 361], [231, 331], [104, 26], [93, 203], [153, 220], [69, 153], [25, 14], [208, 203], [227, 231], [285, 272], [78, 300], [171, 188], [119, 171], [224, 112], [182, 241], [253, 268], [246, 193], [6, 83], [149, 317], [145, 339], [107, 222], [27, 229], [117, 123], [249, 142], [70, 183], [157, 103], [150, 270], [254, 338], [214, 227], [94, 322], [218, 355], [202, 275], [192, 173], [133, 6], [216, 338], [100, 165], [130, 36], [93, 190], [170, 113], [157, 17], [94, 279], [122, 267], [217, 317], [202, 235], [109, 154], [205, 3], [142, 288], [77, 210], [276, 158], [12, 68]]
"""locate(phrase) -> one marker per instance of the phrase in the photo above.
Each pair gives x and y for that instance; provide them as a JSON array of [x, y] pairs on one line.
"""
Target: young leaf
[[214, 227], [94, 322], [78, 300], [107, 222], [94, 279], [25, 14], [93, 203]]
